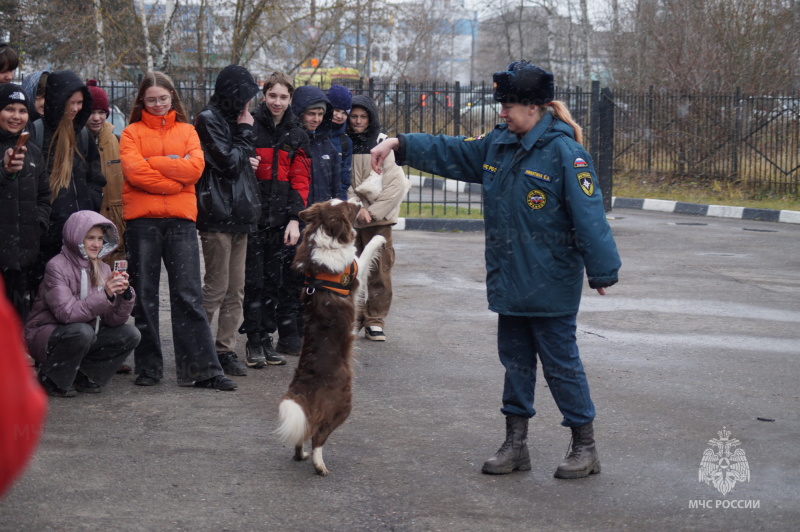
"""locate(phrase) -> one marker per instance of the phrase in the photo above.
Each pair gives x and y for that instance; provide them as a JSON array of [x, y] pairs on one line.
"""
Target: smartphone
[[23, 138], [120, 266]]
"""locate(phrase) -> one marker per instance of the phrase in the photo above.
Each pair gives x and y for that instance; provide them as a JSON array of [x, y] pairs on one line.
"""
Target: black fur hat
[[524, 83]]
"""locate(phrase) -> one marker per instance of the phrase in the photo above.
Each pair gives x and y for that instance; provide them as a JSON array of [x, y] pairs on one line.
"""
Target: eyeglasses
[[150, 102]]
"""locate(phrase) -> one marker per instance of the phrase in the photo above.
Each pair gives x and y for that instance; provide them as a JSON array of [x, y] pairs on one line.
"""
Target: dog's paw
[[321, 470], [300, 454]]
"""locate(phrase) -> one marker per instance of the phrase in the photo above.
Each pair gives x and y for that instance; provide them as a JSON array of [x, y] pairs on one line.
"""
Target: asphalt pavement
[[701, 336]]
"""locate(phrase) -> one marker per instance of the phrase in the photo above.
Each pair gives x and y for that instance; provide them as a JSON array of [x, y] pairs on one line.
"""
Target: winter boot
[[582, 460], [513, 454], [289, 342], [271, 356]]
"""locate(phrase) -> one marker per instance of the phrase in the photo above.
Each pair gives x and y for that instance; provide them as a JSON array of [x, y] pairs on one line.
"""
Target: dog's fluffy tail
[[293, 423], [366, 263]]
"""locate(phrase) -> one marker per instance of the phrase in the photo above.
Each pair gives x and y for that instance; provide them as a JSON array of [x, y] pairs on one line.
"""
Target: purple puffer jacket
[[66, 295]]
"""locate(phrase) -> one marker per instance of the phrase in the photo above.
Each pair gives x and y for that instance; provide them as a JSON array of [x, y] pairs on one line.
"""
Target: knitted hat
[[524, 83], [316, 105], [11, 93], [99, 97], [340, 97]]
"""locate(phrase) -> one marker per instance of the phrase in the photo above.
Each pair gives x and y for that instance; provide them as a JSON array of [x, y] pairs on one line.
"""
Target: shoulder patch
[[580, 163], [536, 199], [489, 168], [586, 182], [538, 175]]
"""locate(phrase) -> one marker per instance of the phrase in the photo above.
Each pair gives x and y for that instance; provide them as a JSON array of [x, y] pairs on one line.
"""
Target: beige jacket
[[382, 201], [111, 208]]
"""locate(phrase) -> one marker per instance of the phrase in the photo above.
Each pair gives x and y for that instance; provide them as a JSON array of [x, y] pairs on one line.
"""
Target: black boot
[[289, 342], [582, 460], [513, 455]]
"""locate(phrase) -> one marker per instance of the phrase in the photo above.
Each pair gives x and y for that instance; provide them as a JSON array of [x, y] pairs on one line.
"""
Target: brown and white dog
[[320, 397]]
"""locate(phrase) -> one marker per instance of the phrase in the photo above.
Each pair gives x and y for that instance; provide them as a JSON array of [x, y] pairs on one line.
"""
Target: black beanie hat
[[12, 93], [524, 83]]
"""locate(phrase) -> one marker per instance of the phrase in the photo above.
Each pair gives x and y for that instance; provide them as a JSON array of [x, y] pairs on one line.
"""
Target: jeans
[[223, 288], [519, 340], [75, 346], [173, 240], [271, 287]]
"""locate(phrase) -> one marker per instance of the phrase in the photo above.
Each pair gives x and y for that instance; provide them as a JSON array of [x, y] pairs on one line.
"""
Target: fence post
[[594, 122], [650, 119], [737, 130], [372, 89], [605, 166], [457, 109]]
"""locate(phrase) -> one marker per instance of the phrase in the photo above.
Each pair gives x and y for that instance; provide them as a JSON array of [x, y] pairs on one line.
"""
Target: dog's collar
[[340, 283]]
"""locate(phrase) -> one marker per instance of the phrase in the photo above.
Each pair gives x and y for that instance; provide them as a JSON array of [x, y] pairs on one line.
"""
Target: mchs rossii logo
[[722, 466]]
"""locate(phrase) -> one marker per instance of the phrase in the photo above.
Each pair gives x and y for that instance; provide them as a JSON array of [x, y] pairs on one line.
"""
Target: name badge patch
[[586, 182], [538, 175], [536, 199], [489, 168]]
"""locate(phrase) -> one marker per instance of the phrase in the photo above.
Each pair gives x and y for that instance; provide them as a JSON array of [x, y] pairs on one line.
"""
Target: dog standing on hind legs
[[320, 396]]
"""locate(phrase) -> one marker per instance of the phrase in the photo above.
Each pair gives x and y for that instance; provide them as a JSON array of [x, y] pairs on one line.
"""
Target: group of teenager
[[75, 200]]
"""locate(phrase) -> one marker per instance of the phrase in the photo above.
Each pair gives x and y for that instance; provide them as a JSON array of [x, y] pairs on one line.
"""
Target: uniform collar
[[531, 137]]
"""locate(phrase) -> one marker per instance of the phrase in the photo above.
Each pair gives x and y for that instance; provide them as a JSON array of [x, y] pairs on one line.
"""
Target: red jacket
[[23, 404], [161, 161]]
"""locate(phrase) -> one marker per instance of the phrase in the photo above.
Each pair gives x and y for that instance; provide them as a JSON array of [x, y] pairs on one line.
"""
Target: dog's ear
[[310, 214]]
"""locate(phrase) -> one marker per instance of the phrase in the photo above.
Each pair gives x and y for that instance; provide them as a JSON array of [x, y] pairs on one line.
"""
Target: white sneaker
[[375, 333]]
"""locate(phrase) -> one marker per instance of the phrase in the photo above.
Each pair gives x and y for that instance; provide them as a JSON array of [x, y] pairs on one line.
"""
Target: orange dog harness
[[339, 283]]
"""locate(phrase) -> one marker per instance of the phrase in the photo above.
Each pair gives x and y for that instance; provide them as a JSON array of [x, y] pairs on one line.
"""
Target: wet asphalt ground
[[701, 333]]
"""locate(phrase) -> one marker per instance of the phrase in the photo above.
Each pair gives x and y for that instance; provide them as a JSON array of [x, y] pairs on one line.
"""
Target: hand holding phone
[[120, 266]]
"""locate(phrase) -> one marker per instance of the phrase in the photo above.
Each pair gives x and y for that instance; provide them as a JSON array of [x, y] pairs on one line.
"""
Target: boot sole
[[583, 473], [489, 470]]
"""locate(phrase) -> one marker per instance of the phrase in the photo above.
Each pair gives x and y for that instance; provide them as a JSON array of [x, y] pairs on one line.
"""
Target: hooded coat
[[227, 194], [24, 207], [85, 191], [30, 85], [66, 294], [326, 164], [383, 203], [544, 217], [284, 171]]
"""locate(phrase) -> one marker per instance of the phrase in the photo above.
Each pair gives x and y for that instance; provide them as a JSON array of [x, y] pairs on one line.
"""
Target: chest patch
[[536, 199], [538, 175], [580, 163], [489, 168], [586, 182]]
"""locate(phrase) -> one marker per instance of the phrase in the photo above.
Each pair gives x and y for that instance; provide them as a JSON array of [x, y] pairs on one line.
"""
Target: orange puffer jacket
[[161, 161]]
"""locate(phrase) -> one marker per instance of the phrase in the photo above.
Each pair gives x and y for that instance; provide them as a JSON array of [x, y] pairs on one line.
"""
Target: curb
[[697, 209], [676, 207]]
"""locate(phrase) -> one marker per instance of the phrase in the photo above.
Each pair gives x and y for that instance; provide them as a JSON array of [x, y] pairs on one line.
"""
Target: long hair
[[560, 110], [157, 79], [63, 147]]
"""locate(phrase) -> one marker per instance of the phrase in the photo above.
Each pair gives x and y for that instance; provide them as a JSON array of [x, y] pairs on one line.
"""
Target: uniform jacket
[[326, 164], [544, 216], [284, 171], [161, 161], [111, 208], [227, 196], [85, 191], [24, 207], [383, 205], [66, 294]]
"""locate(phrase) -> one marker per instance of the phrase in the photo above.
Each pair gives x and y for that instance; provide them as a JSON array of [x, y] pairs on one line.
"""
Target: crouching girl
[[77, 328]]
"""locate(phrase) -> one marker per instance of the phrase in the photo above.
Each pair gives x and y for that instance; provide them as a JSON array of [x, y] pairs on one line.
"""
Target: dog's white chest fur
[[331, 253]]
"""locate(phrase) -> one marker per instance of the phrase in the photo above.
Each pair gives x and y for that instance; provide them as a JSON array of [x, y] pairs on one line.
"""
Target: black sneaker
[[217, 382], [145, 380], [271, 356], [84, 384], [231, 364], [254, 353], [289, 346], [52, 389]]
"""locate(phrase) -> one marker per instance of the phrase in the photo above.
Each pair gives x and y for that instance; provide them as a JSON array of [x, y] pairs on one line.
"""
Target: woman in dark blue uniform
[[545, 226]]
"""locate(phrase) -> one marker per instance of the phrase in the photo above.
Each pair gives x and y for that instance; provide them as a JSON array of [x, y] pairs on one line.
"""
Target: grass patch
[[426, 210], [703, 192]]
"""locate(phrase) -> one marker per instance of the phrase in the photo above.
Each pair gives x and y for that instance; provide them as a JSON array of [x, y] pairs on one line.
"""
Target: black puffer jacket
[[24, 207], [227, 194], [284, 172], [85, 191]]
